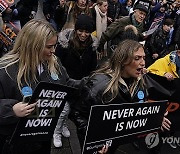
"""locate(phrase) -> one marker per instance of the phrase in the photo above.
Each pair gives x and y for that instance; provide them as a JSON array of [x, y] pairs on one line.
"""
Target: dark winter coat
[[114, 10], [92, 94], [158, 42], [10, 95], [78, 63], [115, 30]]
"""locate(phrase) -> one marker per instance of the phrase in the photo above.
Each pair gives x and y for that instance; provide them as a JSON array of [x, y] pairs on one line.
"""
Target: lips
[[140, 70]]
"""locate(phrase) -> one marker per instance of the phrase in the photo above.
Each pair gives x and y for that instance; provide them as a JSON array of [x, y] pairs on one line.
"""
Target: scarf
[[101, 23], [139, 26]]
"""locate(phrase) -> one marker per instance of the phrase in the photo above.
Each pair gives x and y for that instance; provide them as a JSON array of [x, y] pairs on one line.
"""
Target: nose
[[83, 34], [142, 63], [169, 28], [53, 49], [143, 16]]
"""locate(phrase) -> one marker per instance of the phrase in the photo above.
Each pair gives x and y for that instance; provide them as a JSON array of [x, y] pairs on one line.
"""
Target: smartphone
[[26, 98]]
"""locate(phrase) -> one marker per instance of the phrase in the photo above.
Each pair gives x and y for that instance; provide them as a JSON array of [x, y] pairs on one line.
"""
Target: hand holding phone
[[26, 99]]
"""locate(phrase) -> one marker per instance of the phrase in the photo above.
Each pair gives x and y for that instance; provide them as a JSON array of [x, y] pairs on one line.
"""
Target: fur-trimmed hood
[[65, 35]]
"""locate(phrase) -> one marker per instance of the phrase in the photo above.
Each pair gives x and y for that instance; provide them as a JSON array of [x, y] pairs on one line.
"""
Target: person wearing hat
[[77, 52], [77, 48], [115, 30]]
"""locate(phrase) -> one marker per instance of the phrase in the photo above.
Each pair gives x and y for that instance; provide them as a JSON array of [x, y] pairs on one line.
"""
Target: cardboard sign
[[118, 124], [40, 125]]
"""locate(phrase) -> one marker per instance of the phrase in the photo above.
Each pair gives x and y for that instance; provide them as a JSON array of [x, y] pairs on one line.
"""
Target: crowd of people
[[98, 46]]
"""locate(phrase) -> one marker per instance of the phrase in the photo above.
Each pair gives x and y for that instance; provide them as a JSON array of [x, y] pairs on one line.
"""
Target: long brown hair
[[123, 54]]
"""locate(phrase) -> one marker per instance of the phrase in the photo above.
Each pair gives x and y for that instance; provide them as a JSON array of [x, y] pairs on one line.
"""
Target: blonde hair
[[28, 49], [123, 54]]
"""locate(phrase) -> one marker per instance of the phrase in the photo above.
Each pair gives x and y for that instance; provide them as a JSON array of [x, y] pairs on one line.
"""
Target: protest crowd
[[108, 51]]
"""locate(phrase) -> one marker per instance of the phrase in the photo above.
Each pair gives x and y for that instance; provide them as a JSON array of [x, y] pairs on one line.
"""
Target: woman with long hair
[[77, 52], [118, 80], [30, 61]]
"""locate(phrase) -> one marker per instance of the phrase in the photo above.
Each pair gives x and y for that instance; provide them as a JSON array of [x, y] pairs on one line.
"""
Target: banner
[[159, 88], [40, 125], [117, 124]]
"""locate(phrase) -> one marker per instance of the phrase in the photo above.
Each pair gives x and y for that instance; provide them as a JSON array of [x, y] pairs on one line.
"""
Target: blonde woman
[[30, 61]]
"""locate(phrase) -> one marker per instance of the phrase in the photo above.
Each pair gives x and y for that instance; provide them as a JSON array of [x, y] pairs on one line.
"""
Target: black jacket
[[158, 42], [10, 94], [92, 94], [78, 63]]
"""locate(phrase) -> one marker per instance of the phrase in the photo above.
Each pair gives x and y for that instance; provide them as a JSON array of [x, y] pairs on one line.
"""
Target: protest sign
[[3, 5], [117, 124], [8, 35], [159, 88], [40, 125]]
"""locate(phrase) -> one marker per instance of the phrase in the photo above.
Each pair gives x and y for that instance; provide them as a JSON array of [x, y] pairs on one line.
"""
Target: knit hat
[[142, 8], [84, 22]]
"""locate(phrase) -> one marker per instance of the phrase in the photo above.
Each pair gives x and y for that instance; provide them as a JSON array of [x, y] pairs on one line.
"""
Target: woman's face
[[103, 7], [129, 3], [49, 49], [82, 34], [135, 67], [82, 3]]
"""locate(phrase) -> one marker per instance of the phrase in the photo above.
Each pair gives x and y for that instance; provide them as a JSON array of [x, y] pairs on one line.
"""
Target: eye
[[136, 58], [49, 47], [80, 30], [87, 32], [139, 57]]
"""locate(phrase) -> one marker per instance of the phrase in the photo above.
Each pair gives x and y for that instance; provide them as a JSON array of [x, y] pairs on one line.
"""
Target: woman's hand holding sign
[[22, 109], [103, 150], [165, 123]]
